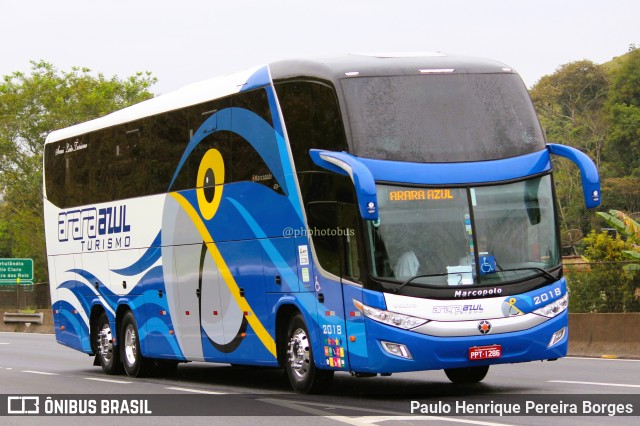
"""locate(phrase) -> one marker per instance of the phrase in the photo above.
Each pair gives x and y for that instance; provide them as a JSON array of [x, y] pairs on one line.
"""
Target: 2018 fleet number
[[331, 329], [544, 297]]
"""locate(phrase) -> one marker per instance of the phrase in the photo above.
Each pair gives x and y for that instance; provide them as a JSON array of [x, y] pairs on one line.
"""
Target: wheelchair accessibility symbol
[[487, 264]]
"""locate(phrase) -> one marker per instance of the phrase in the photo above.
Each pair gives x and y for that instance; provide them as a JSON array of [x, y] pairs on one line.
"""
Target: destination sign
[[421, 194]]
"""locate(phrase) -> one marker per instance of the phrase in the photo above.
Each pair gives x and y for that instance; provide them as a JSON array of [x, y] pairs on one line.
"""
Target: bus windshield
[[465, 236], [441, 118]]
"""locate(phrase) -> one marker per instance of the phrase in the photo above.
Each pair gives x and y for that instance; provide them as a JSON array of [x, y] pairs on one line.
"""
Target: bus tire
[[466, 375], [135, 365], [106, 352], [302, 372]]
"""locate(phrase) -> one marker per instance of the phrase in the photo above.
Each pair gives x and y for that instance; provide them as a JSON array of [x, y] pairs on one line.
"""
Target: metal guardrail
[[18, 317]]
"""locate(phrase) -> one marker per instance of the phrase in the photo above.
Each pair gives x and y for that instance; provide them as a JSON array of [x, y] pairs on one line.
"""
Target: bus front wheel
[[303, 374], [466, 375]]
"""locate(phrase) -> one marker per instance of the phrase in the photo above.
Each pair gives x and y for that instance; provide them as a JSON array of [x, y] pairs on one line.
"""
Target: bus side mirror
[[347, 164], [588, 172]]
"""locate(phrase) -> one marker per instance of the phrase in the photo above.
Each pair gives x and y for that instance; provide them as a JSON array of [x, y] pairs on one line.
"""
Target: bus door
[[334, 235]]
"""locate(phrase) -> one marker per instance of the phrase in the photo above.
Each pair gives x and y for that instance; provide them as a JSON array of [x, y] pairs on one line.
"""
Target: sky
[[185, 41]]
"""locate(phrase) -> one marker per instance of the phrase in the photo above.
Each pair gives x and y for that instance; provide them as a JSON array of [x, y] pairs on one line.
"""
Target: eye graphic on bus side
[[210, 180], [209, 186]]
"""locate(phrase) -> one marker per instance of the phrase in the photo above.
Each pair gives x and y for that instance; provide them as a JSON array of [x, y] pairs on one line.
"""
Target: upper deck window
[[441, 117], [312, 118]]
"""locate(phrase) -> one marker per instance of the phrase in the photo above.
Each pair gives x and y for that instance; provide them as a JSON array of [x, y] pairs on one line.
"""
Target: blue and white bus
[[364, 213]]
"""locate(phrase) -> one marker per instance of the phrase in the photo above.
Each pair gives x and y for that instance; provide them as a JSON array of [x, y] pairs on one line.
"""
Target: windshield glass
[[464, 236], [441, 118]]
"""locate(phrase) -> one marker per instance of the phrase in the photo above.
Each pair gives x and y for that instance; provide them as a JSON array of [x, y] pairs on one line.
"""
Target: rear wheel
[[134, 363], [303, 374], [467, 375], [107, 353]]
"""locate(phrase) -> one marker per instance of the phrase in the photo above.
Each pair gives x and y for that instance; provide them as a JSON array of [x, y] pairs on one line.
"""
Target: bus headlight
[[390, 318], [554, 308]]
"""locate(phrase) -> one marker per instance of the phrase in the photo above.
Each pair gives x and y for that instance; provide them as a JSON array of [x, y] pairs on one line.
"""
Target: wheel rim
[[299, 353], [105, 343], [130, 345]]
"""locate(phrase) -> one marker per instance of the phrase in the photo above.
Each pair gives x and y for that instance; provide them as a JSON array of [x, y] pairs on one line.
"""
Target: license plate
[[485, 352]]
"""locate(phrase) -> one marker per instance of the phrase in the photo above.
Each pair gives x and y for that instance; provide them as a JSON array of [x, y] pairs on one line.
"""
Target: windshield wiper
[[407, 282], [543, 272]]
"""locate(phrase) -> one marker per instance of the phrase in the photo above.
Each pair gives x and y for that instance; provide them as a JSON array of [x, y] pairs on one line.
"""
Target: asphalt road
[[34, 364]]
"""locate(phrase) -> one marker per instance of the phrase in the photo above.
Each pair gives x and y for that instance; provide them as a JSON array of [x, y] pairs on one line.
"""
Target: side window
[[168, 138], [127, 161], [202, 117], [54, 173], [334, 234], [154, 150], [69, 170], [250, 109], [140, 158], [312, 119], [93, 185], [323, 218], [105, 141], [255, 101], [333, 218], [77, 167], [347, 226], [241, 158]]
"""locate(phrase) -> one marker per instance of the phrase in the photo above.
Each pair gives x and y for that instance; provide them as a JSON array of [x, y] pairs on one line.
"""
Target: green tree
[[631, 231], [607, 287], [622, 193], [623, 145], [32, 105], [570, 104], [623, 141]]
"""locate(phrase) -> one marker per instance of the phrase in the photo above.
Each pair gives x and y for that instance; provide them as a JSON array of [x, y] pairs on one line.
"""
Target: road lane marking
[[594, 383], [604, 359], [50, 336], [5, 343], [197, 391], [99, 379], [44, 373], [306, 407]]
